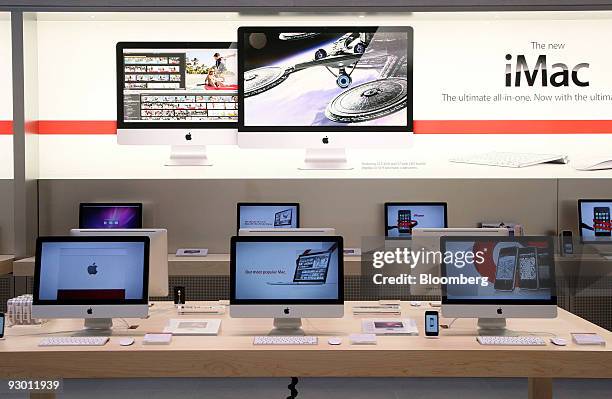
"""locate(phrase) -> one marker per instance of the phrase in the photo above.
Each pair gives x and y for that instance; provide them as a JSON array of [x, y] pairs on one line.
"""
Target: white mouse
[[559, 341], [127, 341], [334, 341], [415, 303]]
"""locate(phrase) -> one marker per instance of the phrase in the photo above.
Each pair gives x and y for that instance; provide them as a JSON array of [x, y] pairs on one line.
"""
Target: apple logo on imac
[[92, 269]]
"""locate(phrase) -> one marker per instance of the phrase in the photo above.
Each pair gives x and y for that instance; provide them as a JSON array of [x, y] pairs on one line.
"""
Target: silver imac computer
[[268, 215], [325, 89], [91, 278], [98, 215], [427, 239], [596, 224], [287, 278], [158, 253], [183, 94], [495, 278]]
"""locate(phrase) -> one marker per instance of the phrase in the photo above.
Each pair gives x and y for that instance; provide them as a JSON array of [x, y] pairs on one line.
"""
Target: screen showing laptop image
[[402, 217], [92, 270], [595, 222], [354, 78], [110, 216], [288, 269], [268, 215], [498, 270], [176, 85]]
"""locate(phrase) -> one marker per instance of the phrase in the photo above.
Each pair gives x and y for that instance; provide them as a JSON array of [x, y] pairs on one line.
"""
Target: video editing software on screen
[[180, 85]]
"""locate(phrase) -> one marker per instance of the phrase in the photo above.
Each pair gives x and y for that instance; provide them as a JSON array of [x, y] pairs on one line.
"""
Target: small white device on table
[[363, 339], [389, 327], [201, 309], [193, 326], [157, 339], [186, 252]]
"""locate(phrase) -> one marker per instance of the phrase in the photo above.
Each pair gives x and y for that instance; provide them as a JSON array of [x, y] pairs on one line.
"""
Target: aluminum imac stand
[[287, 326], [492, 327], [325, 159], [94, 327], [188, 155]]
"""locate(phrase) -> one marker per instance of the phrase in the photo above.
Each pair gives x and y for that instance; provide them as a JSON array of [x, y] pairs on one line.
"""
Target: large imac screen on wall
[[177, 85], [325, 79]]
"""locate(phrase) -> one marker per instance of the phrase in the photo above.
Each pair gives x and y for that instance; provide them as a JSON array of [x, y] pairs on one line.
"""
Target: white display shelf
[[79, 157]]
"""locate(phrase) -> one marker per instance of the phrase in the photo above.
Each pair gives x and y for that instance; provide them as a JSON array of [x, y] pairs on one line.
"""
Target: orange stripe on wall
[[420, 127], [513, 127], [6, 127], [77, 127]]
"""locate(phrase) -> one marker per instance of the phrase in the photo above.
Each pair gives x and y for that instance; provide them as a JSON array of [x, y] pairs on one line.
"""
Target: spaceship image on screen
[[327, 78]]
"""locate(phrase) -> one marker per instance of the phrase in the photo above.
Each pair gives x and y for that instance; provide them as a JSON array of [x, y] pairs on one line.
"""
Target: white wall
[[6, 90]]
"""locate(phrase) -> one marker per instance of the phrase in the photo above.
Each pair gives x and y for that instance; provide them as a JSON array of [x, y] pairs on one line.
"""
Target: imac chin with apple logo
[[179, 94], [331, 89]]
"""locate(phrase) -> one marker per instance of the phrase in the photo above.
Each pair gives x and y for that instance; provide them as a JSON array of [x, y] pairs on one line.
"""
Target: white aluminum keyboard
[[285, 340], [511, 341], [510, 159], [73, 341]]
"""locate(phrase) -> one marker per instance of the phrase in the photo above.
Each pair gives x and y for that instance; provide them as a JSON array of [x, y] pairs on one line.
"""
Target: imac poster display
[[595, 224], [400, 219], [268, 216], [326, 77], [514, 269], [287, 271]]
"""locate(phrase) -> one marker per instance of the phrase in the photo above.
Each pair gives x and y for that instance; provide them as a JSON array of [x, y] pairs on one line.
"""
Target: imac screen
[[89, 272], [287, 271], [93, 216], [595, 222], [493, 270], [327, 77], [268, 216], [168, 85], [402, 218]]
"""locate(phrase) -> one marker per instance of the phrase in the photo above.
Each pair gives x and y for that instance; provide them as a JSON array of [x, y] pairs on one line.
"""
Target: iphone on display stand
[[432, 324]]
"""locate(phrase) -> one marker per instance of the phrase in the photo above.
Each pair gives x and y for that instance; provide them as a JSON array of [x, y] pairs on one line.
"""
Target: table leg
[[540, 388]]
